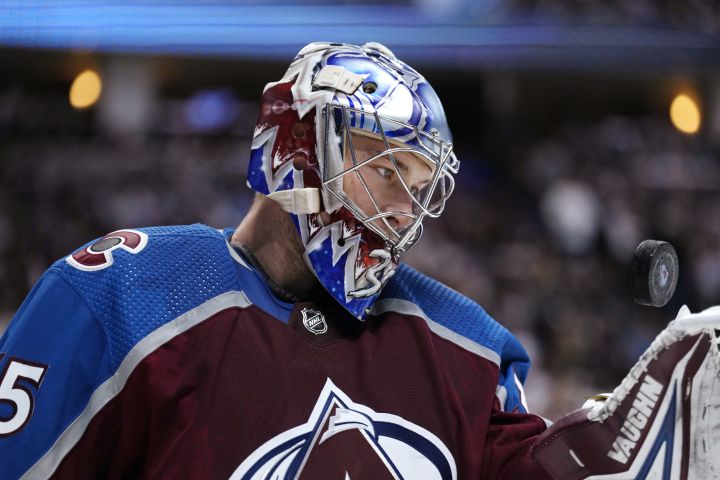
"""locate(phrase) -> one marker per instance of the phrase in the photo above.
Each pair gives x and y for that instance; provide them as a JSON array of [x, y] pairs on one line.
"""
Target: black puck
[[655, 271]]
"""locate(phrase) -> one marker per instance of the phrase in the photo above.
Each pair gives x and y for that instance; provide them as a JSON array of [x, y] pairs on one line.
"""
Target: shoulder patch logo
[[346, 440], [314, 321], [99, 255]]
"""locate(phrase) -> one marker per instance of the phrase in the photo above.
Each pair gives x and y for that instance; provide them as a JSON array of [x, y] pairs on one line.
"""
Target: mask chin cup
[[384, 269], [298, 200]]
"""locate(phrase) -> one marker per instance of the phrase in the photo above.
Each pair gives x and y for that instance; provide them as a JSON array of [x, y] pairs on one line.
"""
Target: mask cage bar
[[348, 137], [444, 160]]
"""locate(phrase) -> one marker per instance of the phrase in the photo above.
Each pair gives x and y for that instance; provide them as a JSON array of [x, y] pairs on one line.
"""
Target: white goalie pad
[[661, 422]]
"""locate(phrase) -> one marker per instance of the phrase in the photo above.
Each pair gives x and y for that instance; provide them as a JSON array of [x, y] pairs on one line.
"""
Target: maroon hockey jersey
[[166, 355]]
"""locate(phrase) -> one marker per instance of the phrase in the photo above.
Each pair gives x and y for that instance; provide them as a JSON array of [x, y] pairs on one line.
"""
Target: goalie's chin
[[661, 422]]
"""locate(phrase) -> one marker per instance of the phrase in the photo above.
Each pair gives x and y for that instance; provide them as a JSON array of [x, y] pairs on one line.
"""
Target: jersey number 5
[[15, 393]]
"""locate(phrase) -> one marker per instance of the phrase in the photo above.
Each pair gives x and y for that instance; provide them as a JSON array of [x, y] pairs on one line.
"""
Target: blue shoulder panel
[[466, 318], [82, 318], [178, 269], [55, 331]]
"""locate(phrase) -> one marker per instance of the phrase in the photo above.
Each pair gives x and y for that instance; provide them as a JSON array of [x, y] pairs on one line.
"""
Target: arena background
[[560, 112]]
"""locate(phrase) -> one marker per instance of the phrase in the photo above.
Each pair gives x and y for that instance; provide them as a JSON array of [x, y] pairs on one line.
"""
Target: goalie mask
[[354, 144]]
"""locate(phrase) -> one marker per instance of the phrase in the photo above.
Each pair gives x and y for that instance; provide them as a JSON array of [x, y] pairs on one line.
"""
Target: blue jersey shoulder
[[447, 307], [136, 280], [86, 314], [466, 323]]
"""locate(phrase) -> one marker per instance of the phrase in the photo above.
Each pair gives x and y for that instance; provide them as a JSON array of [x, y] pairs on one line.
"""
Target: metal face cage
[[402, 154]]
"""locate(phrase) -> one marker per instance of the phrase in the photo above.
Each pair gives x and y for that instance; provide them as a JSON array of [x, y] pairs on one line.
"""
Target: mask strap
[[338, 78], [298, 200]]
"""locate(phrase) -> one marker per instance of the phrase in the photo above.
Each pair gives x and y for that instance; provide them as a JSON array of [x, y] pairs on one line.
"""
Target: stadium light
[[685, 114], [85, 89]]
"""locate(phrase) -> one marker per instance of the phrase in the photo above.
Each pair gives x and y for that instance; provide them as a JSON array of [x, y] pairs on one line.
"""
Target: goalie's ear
[[663, 421]]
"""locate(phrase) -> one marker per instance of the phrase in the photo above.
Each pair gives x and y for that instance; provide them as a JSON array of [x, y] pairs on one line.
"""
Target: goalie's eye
[[386, 173]]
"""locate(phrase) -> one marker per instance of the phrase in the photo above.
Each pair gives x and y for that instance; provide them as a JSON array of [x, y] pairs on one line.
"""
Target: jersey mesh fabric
[[447, 307], [180, 268]]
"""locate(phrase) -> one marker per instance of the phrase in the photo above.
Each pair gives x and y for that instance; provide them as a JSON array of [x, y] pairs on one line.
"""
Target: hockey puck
[[655, 271]]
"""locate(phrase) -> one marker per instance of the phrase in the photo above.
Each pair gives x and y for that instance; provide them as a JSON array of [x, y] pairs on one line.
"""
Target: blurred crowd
[[541, 235], [546, 246]]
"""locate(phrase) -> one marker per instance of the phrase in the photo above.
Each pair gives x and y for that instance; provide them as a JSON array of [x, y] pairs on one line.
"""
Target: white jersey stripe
[[403, 306]]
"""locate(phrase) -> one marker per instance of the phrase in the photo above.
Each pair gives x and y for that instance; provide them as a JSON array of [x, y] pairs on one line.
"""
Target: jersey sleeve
[[514, 367], [53, 356], [510, 438]]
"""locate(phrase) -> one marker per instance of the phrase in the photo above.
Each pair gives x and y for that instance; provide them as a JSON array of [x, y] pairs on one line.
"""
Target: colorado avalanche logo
[[344, 440]]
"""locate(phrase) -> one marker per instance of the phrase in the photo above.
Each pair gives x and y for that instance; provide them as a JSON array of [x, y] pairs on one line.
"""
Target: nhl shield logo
[[314, 321]]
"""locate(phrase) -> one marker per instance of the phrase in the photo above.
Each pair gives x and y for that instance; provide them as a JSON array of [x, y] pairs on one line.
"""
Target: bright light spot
[[85, 89], [685, 114]]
